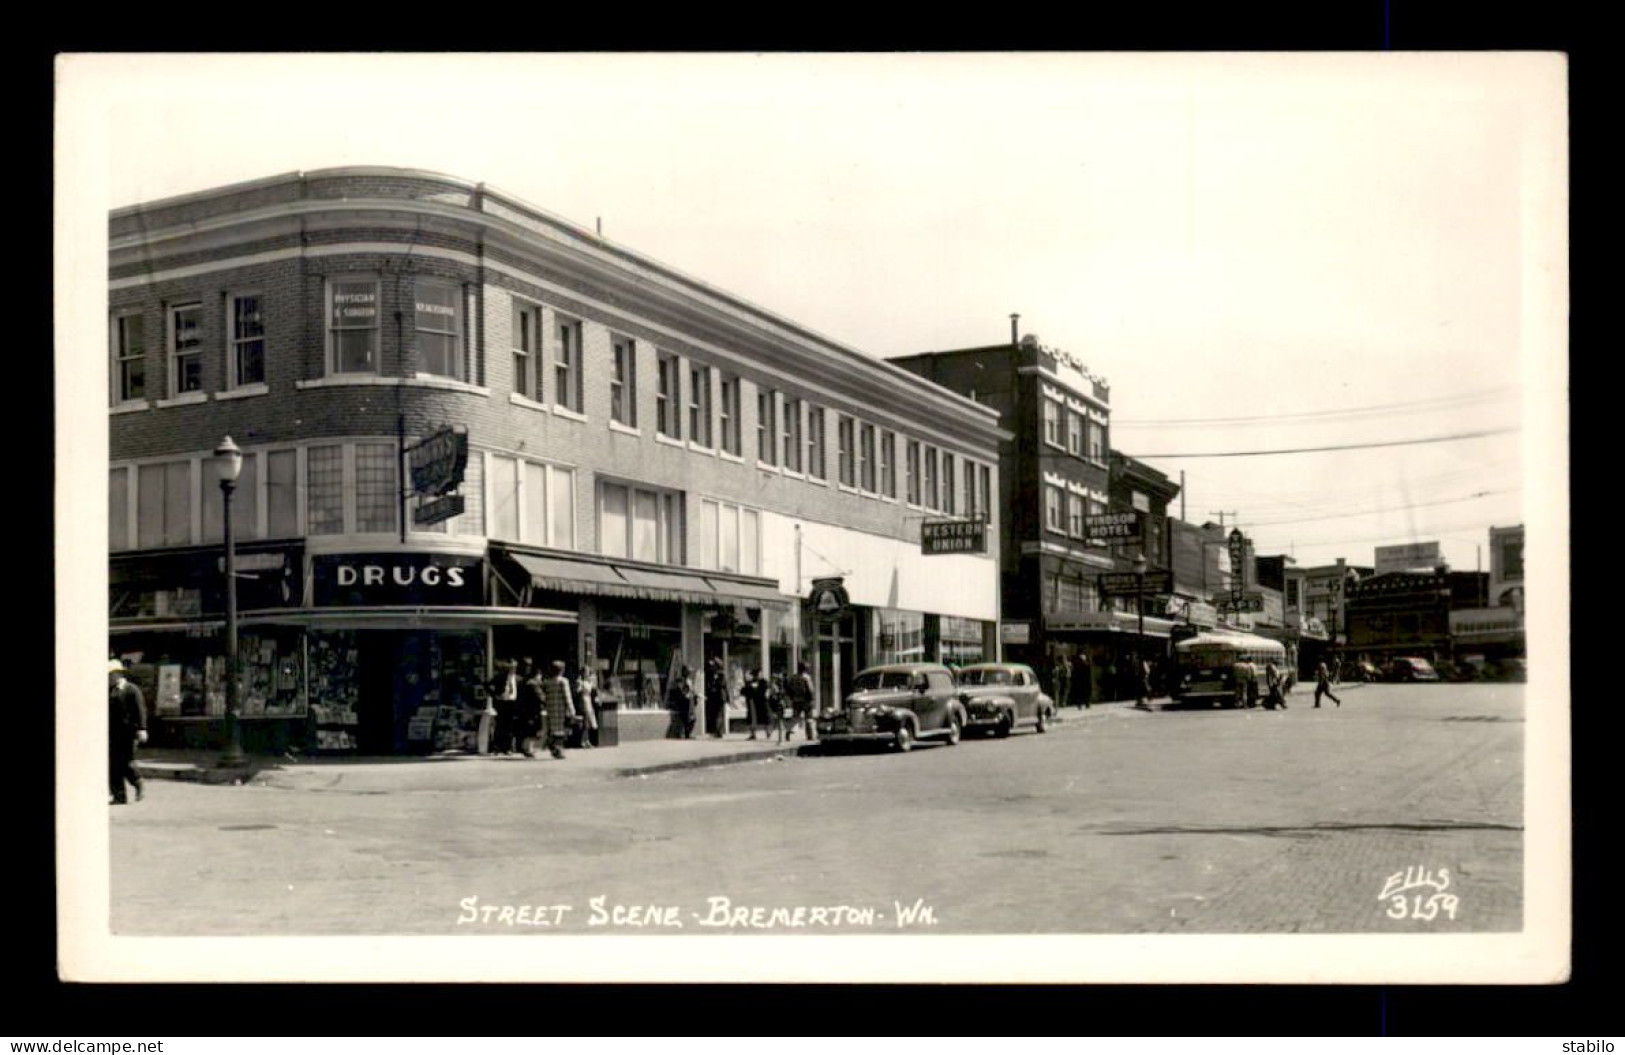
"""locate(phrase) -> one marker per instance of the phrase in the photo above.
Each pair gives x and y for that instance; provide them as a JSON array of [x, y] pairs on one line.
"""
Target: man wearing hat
[[126, 726]]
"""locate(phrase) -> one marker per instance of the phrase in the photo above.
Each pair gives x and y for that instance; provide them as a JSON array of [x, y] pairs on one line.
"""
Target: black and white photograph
[[813, 517]]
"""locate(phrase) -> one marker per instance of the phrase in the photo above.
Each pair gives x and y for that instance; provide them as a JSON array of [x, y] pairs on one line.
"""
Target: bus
[[1225, 668]]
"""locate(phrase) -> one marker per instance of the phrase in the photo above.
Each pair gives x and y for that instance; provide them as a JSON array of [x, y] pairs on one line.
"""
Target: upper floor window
[[728, 417], [1052, 422], [640, 523], [948, 501], [911, 473], [669, 396], [971, 504], [932, 498], [888, 464], [844, 449], [1097, 442], [164, 504], [792, 434], [324, 490], [767, 426], [730, 538], [699, 405], [1053, 498], [1074, 434], [866, 458], [437, 311], [352, 326], [1074, 517], [185, 348], [623, 382], [129, 358], [527, 344], [815, 443], [532, 502], [567, 365], [985, 479], [246, 360]]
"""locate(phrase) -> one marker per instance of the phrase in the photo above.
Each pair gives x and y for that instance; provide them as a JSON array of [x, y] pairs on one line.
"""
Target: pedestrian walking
[[504, 706], [1273, 685], [755, 692], [1323, 685], [1337, 670], [560, 708], [126, 727], [1083, 682], [716, 698], [799, 689], [680, 698], [586, 689], [529, 712], [777, 700], [1061, 679]]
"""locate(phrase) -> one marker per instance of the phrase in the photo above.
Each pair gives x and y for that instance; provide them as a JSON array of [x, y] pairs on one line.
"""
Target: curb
[[709, 762], [195, 774]]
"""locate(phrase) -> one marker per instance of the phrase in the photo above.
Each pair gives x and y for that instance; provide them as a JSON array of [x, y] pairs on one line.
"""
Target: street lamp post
[[1139, 640], [228, 463]]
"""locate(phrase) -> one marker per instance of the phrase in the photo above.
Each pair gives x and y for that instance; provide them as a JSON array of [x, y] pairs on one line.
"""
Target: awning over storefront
[[604, 579], [405, 617], [1109, 622]]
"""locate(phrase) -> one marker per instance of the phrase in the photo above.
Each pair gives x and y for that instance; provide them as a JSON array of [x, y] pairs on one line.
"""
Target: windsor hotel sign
[[359, 580]]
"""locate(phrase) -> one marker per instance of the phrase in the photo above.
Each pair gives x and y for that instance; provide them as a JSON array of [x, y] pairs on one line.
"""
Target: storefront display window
[[896, 637], [963, 641], [639, 652]]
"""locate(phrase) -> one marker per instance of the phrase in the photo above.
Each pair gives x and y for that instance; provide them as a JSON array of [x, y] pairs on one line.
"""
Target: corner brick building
[[657, 471]]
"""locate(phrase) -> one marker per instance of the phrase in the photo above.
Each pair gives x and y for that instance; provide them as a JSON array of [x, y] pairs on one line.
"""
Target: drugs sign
[[437, 461]]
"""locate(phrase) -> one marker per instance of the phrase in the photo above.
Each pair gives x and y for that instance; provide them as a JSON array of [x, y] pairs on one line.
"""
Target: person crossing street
[[1323, 684]]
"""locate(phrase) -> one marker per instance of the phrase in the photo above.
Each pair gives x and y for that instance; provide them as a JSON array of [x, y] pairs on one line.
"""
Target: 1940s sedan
[[1000, 697], [898, 704]]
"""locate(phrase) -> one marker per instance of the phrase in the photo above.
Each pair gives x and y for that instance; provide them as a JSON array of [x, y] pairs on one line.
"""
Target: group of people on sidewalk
[[531, 707], [779, 703]]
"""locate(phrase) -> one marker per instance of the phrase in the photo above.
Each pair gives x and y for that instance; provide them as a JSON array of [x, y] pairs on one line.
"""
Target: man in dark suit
[[126, 726]]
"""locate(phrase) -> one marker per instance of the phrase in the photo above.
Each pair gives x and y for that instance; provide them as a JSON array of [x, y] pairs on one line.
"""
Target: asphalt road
[[1119, 821]]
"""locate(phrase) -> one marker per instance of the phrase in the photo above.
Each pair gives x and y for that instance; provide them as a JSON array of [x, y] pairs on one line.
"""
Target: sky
[[1257, 252]]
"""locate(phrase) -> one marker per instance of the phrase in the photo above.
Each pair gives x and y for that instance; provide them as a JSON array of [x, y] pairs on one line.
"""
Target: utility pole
[[1181, 494], [1221, 514]]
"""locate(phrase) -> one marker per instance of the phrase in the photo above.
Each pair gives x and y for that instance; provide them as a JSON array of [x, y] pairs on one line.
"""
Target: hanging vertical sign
[[1238, 564]]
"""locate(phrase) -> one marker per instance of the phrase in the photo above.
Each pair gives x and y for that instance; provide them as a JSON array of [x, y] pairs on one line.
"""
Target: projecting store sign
[[953, 536], [1112, 527], [366, 579], [829, 599], [1127, 584], [437, 461]]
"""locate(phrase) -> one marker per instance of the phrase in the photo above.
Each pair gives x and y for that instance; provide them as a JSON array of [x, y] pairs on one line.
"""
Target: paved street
[[1117, 821]]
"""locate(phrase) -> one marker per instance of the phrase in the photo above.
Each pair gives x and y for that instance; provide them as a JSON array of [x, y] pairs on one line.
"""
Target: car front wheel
[[1007, 724], [905, 737], [954, 731], [1043, 724]]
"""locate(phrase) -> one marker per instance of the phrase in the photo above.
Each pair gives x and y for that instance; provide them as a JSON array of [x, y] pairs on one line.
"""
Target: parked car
[[1001, 697], [1515, 668], [899, 704], [1410, 668], [1359, 670]]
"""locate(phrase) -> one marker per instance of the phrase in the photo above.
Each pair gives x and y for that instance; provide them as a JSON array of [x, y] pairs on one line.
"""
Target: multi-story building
[[655, 473], [1492, 627], [1408, 613], [1054, 470]]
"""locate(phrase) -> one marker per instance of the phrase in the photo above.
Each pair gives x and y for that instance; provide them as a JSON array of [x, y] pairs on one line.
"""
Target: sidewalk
[[456, 772]]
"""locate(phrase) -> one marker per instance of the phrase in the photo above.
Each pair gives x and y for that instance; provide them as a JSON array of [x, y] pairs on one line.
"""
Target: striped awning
[[604, 579]]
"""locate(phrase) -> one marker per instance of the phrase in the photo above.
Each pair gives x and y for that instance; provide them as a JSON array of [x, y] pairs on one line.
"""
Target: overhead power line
[[1435, 403], [1389, 509], [1341, 447]]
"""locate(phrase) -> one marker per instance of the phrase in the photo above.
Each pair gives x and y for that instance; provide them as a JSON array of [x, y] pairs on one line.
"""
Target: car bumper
[[846, 736]]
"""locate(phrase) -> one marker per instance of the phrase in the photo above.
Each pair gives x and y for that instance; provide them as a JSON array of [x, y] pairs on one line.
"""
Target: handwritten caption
[[719, 913], [1419, 894]]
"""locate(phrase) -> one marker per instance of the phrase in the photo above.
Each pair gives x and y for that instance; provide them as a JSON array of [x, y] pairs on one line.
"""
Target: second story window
[[527, 344], [815, 443], [792, 434], [888, 464], [185, 349], [985, 480], [352, 326], [438, 321], [1053, 498], [669, 397], [640, 523], [971, 505], [567, 365], [1074, 519], [247, 358], [846, 452], [948, 502], [767, 426], [911, 473], [728, 417], [866, 458], [932, 498], [699, 405], [623, 383], [129, 358]]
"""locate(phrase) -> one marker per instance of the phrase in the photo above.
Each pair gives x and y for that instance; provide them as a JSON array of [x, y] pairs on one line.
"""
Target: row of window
[[1064, 512], [350, 488], [1074, 432]]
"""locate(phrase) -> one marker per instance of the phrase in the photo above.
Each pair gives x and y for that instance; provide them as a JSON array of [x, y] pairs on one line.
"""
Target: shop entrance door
[[375, 708], [835, 661]]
